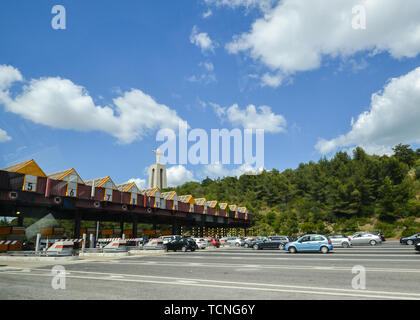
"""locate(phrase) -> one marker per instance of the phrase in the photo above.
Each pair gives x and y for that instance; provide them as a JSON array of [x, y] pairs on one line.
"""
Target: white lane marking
[[292, 267], [320, 255], [217, 281], [267, 287], [186, 281], [298, 257], [353, 254]]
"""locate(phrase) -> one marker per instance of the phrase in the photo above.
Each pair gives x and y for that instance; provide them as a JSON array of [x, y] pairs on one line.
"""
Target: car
[[379, 234], [365, 238], [166, 239], [310, 243], [201, 243], [212, 242], [274, 242], [249, 243], [183, 244], [339, 240], [232, 241], [410, 240]]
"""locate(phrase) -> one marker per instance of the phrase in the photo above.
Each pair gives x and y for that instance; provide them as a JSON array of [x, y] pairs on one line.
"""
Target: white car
[[201, 243], [364, 238], [167, 239], [339, 240]]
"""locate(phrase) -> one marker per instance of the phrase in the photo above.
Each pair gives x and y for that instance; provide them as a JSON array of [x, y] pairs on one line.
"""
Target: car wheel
[[345, 245], [292, 250], [372, 242], [281, 246], [184, 249], [237, 244], [256, 247], [193, 249], [246, 245], [410, 242], [324, 249]]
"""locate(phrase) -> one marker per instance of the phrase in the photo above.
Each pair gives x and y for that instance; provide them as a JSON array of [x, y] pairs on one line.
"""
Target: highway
[[392, 272]]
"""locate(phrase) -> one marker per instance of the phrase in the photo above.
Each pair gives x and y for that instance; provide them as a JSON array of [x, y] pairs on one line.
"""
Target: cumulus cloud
[[3, 136], [178, 175], [393, 118], [252, 117], [60, 103], [296, 35], [217, 170], [202, 40], [141, 183], [8, 75]]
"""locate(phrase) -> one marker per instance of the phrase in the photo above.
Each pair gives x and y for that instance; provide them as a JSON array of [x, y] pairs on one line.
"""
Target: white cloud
[[178, 175], [207, 14], [271, 80], [297, 34], [220, 111], [202, 40], [3, 136], [8, 75], [207, 65], [264, 5], [59, 103], [207, 77], [217, 170], [393, 118], [141, 183], [251, 118]]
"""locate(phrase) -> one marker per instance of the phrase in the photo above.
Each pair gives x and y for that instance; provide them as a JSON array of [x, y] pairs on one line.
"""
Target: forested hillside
[[343, 194]]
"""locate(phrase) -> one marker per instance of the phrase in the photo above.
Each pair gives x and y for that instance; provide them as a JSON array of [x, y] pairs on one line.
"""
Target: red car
[[213, 242]]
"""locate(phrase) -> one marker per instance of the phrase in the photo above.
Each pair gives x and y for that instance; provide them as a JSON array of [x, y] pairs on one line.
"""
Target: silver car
[[231, 241], [339, 240], [364, 238]]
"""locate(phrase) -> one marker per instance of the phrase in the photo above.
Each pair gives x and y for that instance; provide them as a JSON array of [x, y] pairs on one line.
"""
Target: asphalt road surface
[[392, 272]]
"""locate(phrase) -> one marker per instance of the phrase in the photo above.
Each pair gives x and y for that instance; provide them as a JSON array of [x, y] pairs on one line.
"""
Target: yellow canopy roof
[[101, 181], [223, 205], [170, 195], [61, 175], [28, 167], [187, 199], [128, 187], [200, 201]]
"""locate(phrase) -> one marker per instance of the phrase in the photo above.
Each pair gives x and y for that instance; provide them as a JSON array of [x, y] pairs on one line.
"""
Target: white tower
[[157, 173]]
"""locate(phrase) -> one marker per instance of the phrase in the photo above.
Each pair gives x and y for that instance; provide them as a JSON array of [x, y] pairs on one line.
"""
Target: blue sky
[[110, 48]]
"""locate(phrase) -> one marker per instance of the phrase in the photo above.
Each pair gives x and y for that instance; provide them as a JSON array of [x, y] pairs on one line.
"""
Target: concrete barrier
[[103, 254], [145, 252], [36, 258]]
